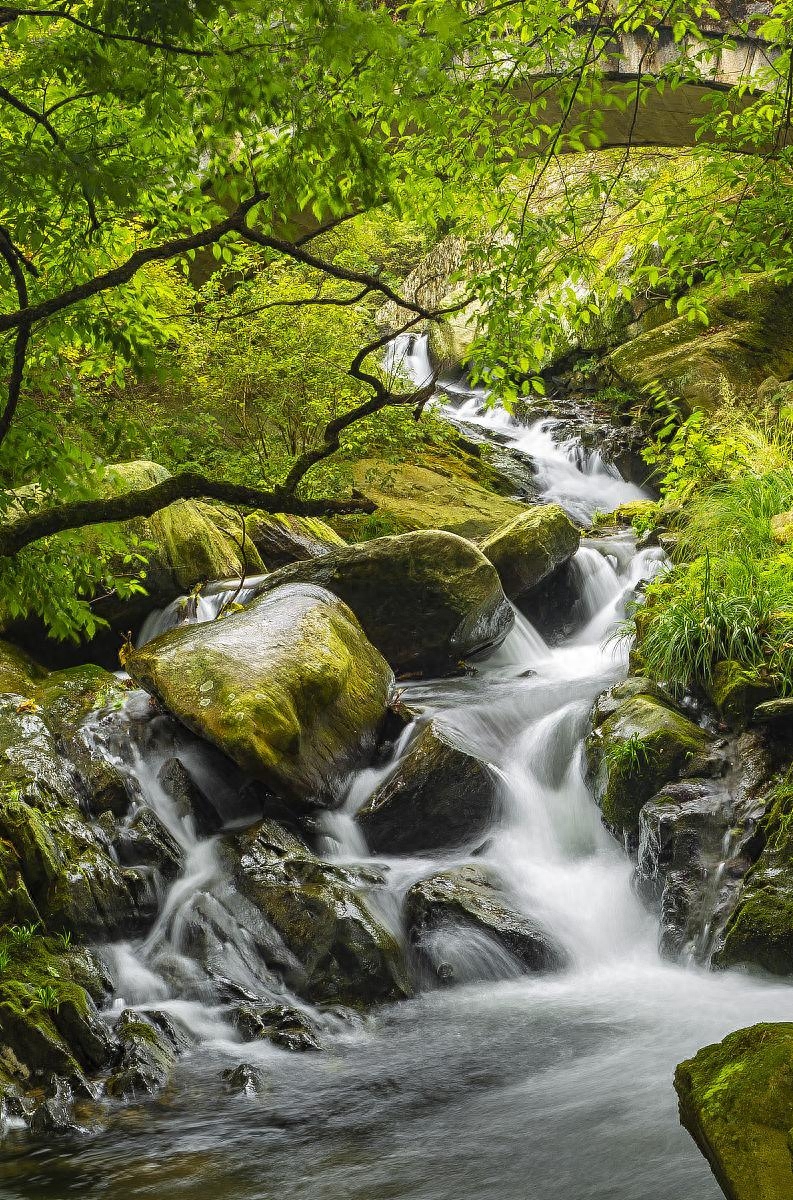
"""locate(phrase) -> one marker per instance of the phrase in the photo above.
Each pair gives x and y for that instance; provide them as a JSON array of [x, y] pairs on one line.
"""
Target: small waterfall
[[199, 607]]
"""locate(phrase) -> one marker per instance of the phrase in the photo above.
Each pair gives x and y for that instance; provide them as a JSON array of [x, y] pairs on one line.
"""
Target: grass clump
[[729, 593]]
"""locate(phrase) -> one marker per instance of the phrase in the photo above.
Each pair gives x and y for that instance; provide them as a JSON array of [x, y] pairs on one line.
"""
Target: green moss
[[736, 691], [641, 746], [736, 1099], [442, 489], [747, 340]]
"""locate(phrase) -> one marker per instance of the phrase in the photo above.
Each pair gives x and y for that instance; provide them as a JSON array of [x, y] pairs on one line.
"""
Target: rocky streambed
[[319, 901]]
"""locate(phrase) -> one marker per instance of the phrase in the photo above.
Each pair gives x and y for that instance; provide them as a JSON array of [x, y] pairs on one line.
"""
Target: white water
[[557, 1087]]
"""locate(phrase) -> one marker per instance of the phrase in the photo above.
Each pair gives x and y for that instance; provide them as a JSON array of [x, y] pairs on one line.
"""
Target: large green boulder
[[531, 547], [341, 952], [437, 797], [736, 1101], [747, 340], [641, 746], [736, 691], [471, 899], [289, 688], [427, 599]]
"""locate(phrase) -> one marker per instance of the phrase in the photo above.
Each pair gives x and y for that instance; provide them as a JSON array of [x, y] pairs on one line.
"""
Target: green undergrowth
[[728, 596]]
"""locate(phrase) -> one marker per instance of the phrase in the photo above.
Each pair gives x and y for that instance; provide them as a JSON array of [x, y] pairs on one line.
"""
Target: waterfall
[[561, 1082]]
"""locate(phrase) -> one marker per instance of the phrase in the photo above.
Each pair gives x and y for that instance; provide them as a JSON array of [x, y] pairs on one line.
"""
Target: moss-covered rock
[[470, 897], [531, 547], [747, 340], [736, 1101], [187, 543], [637, 749], [289, 689], [427, 599], [19, 674], [341, 953], [144, 1059], [64, 860], [440, 489], [281, 538], [736, 691], [437, 797]]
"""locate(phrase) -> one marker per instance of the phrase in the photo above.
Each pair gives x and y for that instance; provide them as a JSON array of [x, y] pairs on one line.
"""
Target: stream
[[554, 1087]]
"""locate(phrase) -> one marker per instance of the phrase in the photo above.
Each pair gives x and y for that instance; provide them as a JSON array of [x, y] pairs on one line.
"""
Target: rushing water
[[555, 1087]]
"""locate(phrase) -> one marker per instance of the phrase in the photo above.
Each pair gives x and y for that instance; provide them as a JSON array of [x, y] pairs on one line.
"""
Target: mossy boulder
[[289, 688], [443, 488], [427, 599], [747, 340], [286, 1027], [19, 674], [471, 898], [736, 691], [341, 952], [437, 797], [736, 1101], [531, 547], [280, 538], [641, 746], [145, 1057], [187, 543]]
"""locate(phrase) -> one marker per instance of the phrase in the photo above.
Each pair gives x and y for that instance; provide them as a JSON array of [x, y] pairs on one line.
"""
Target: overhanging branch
[[15, 535]]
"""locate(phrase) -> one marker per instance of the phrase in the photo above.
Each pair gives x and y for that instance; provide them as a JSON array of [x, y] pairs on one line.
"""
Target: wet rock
[[426, 599], [342, 954], [759, 932], [472, 898], [246, 1080], [777, 713], [146, 841], [289, 689], [281, 538], [286, 1027], [681, 845], [736, 1101], [67, 870], [55, 1114], [144, 1061], [641, 746], [437, 797], [190, 801], [531, 547], [635, 685]]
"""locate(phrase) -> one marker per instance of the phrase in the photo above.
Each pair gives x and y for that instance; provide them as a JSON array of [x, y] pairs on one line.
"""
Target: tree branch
[[187, 485], [7, 15]]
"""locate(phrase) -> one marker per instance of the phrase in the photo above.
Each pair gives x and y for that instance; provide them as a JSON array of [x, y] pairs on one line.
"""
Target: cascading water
[[556, 1086]]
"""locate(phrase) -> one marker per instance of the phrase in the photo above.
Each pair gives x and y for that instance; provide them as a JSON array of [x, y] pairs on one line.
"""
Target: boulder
[[426, 600], [289, 688], [641, 746], [286, 1027], [471, 898], [144, 841], [341, 952], [245, 1080], [736, 1101], [188, 798], [438, 796], [531, 547], [280, 538]]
